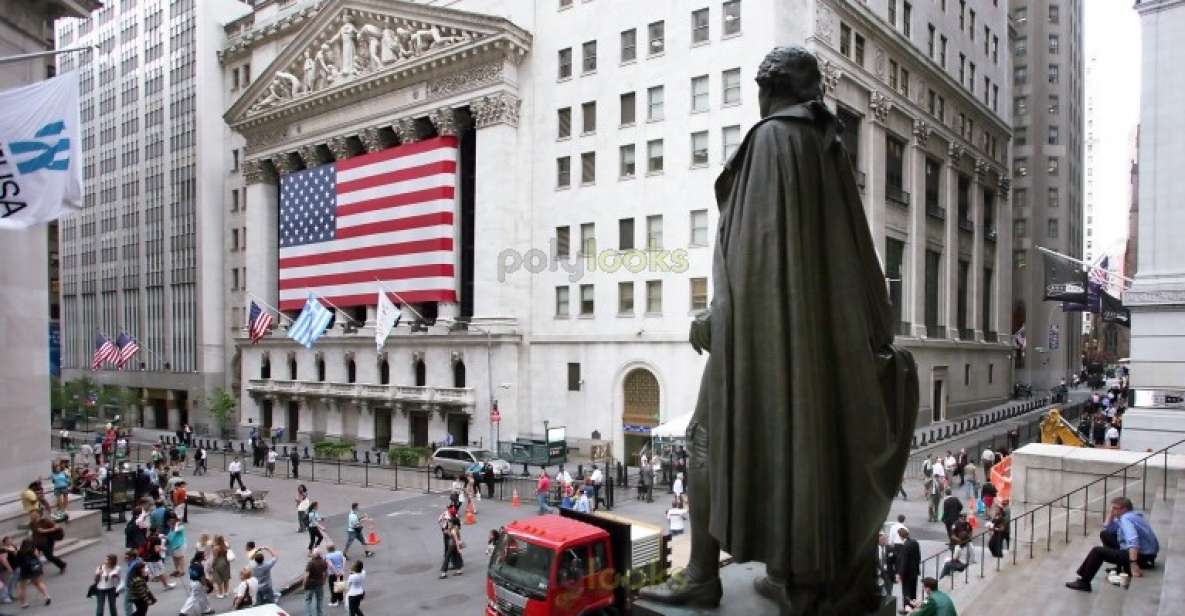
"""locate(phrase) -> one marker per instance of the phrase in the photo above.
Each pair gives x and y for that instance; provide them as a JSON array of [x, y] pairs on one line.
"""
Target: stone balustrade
[[366, 392]]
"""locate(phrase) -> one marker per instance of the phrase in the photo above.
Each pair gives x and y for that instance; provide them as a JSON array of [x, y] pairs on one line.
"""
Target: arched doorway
[[640, 412]]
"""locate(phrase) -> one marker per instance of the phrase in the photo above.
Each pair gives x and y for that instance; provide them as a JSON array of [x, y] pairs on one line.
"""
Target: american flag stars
[[307, 208]]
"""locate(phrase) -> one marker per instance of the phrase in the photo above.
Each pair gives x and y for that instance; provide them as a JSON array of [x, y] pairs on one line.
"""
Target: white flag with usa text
[[40, 152]]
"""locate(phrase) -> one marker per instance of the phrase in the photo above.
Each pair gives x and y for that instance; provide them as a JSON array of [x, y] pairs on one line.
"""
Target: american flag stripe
[[387, 215], [367, 288], [258, 322]]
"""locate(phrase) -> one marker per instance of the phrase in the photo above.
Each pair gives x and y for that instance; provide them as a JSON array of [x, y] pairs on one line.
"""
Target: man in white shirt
[[235, 468], [563, 477], [939, 471], [894, 537], [271, 462], [989, 460], [677, 488], [245, 497], [1113, 437], [597, 479]]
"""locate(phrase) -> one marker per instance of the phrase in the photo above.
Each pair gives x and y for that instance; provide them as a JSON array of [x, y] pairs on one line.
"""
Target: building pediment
[[358, 48]]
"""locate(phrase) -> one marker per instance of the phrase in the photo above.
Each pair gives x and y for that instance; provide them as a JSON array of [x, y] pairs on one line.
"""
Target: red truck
[[573, 564]]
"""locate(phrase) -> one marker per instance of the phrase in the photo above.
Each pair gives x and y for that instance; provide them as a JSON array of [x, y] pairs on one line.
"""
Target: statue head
[[787, 76]]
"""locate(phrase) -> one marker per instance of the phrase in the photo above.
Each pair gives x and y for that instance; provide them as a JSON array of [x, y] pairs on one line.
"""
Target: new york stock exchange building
[[530, 181]]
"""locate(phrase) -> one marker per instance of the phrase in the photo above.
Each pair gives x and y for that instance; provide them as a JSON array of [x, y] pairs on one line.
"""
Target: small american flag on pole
[[1098, 272], [387, 215], [258, 322], [127, 348], [104, 351]]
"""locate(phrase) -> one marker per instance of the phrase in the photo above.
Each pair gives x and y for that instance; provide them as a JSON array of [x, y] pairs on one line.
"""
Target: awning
[[675, 428]]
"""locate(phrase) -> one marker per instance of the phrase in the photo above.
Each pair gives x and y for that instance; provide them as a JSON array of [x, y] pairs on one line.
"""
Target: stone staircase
[[83, 529], [1035, 586]]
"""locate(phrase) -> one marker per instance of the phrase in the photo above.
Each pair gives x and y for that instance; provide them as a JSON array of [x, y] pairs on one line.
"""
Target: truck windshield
[[521, 564]]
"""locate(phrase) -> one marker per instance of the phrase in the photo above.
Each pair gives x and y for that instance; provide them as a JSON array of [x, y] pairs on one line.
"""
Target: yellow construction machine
[[1055, 430]]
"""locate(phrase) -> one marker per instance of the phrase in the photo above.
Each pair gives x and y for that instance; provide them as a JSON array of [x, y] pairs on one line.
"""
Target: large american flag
[[386, 216]]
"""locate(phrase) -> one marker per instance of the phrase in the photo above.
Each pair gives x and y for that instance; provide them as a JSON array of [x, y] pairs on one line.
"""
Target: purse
[[339, 587], [92, 591]]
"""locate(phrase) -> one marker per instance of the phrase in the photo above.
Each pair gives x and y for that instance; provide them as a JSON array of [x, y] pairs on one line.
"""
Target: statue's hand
[[700, 335]]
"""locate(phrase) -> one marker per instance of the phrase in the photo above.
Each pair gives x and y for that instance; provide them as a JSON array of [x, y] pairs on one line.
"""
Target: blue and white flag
[[40, 152], [311, 323]]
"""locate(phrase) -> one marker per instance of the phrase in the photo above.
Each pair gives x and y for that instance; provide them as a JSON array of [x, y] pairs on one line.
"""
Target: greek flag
[[40, 152], [311, 323]]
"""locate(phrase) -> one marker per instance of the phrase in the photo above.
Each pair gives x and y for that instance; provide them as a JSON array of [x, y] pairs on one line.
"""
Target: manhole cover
[[414, 568], [456, 599]]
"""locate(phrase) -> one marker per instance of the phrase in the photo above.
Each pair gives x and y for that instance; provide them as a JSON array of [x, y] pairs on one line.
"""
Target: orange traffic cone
[[470, 517], [514, 500]]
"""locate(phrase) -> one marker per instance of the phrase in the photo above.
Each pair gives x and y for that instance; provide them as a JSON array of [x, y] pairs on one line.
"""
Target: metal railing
[[1065, 502], [1028, 432], [365, 473]]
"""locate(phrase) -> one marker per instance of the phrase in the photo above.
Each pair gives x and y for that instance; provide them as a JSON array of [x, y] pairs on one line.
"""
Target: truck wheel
[[439, 473]]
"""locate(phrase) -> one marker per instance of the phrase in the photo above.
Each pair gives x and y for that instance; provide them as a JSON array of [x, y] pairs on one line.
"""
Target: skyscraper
[[144, 254], [1047, 174]]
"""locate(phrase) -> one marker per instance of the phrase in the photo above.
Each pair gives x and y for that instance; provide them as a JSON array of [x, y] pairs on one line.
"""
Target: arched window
[[320, 370], [458, 374], [385, 373], [265, 368], [351, 374], [421, 373], [292, 369]]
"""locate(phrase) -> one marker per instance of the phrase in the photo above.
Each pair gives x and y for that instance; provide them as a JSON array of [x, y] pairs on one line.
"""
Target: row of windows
[[1020, 165], [1020, 74], [655, 104], [730, 139], [419, 369], [1020, 228], [697, 298], [1020, 197], [656, 40], [626, 236]]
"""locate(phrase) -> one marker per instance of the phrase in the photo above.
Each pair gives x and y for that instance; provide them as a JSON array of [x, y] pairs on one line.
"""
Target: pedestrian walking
[[356, 588], [29, 564], [45, 535], [220, 568], [336, 571], [970, 479], [909, 568], [141, 595], [197, 603], [450, 528], [487, 474], [314, 585], [271, 461], [9, 570], [988, 458], [598, 480], [316, 528], [542, 489], [676, 487], [154, 561], [235, 468], [175, 545], [354, 522], [302, 508], [199, 461], [105, 584], [131, 559]]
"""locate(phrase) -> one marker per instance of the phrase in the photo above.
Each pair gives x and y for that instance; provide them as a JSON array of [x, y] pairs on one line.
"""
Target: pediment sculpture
[[355, 46]]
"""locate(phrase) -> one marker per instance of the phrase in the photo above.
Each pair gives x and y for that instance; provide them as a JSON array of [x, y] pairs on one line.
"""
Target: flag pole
[[344, 314], [270, 307], [403, 301], [1088, 266]]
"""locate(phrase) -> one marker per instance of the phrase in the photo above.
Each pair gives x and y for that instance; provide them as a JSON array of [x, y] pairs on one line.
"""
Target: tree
[[220, 405]]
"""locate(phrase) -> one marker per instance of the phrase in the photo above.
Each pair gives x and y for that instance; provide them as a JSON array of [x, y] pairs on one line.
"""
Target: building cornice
[[899, 46], [1145, 7]]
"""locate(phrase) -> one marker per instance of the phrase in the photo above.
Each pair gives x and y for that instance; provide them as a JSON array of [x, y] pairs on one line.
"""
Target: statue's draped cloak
[[806, 447]]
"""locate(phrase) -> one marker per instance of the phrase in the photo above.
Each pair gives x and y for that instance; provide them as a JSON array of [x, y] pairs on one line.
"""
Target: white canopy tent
[[675, 428]]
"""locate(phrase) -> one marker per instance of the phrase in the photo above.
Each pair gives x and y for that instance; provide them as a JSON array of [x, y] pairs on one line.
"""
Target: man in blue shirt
[[354, 530], [1128, 543]]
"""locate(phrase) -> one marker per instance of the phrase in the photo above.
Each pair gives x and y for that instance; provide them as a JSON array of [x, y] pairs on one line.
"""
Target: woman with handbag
[[220, 570], [198, 602], [356, 589], [106, 581], [29, 564], [336, 564], [142, 597]]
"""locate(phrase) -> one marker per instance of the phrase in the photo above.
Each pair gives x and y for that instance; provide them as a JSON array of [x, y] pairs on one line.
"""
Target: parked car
[[452, 461]]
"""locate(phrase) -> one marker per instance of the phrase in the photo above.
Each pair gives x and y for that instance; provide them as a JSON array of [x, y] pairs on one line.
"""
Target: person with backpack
[[450, 528], [247, 589], [141, 595], [198, 601], [153, 554], [45, 534]]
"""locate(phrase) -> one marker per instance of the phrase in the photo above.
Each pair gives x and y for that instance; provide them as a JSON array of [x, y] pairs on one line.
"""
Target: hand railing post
[[1068, 517], [1144, 488], [1085, 509], [1032, 531], [1049, 529]]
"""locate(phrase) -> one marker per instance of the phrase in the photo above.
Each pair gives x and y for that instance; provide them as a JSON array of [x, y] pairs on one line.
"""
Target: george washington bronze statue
[[802, 428]]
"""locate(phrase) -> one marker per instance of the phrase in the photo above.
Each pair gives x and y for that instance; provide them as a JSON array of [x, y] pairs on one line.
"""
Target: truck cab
[[573, 564]]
